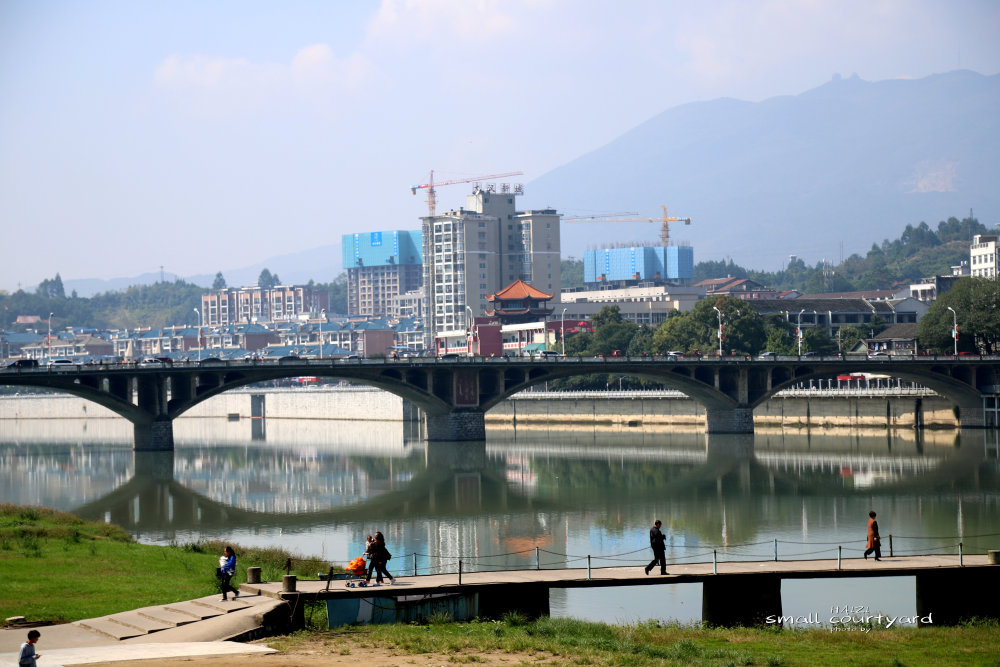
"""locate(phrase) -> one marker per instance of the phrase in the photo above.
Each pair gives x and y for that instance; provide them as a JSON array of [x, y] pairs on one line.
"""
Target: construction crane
[[430, 186], [664, 221]]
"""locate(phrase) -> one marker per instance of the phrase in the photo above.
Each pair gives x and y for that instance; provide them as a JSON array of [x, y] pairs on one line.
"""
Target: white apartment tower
[[984, 256], [478, 250]]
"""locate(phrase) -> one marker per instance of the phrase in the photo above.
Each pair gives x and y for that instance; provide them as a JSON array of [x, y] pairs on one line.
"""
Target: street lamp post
[[322, 316], [198, 313], [562, 327], [48, 340], [954, 329], [719, 332], [470, 333], [798, 329]]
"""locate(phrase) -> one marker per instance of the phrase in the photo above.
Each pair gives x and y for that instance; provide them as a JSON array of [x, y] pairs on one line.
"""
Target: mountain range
[[826, 172], [821, 175]]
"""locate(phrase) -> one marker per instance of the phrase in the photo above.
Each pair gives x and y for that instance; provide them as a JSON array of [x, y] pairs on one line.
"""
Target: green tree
[[780, 335], [848, 338], [817, 339], [976, 302], [267, 279], [743, 328], [571, 272], [51, 289], [219, 282]]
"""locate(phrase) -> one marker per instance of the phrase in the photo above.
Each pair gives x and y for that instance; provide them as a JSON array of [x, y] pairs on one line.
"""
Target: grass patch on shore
[[571, 642], [56, 567]]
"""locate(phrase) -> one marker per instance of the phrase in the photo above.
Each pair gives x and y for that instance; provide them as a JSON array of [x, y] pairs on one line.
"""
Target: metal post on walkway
[[588, 567], [459, 571], [840, 550], [538, 562], [776, 549], [960, 563], [414, 563], [715, 561], [890, 545]]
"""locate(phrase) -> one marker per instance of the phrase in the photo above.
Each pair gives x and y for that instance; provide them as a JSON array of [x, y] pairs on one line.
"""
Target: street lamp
[[562, 325], [322, 316], [719, 332], [954, 330], [198, 313], [470, 335], [798, 329], [48, 339]]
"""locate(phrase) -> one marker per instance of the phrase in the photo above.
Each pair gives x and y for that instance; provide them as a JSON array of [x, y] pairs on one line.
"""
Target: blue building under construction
[[638, 264]]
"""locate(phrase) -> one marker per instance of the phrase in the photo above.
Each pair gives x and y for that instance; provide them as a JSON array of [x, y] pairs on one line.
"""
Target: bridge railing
[[327, 362], [777, 550]]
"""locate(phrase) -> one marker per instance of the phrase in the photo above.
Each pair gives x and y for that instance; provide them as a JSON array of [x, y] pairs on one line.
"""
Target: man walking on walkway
[[658, 543]]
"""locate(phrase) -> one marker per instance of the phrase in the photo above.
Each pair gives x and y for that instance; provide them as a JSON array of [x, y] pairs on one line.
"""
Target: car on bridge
[[23, 363], [157, 362], [60, 362], [767, 356]]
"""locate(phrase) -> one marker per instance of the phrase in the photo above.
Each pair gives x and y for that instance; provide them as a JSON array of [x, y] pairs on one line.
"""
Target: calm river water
[[318, 487]]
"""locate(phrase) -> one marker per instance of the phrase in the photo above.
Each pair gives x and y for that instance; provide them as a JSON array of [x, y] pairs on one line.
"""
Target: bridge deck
[[625, 576]]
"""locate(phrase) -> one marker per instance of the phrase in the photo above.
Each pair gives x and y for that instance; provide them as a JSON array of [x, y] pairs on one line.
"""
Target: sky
[[204, 135]]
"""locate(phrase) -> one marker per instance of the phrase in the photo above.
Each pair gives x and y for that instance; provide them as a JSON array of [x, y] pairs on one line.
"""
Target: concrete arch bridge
[[456, 393]]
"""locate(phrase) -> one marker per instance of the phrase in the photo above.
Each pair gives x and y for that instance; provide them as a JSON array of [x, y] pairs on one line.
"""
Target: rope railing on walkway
[[409, 564]]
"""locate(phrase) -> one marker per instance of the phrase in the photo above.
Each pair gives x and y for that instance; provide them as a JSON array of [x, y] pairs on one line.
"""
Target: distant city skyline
[[201, 137]]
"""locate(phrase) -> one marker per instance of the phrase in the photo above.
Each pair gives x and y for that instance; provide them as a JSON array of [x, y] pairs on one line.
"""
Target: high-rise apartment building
[[478, 250], [984, 256], [380, 267]]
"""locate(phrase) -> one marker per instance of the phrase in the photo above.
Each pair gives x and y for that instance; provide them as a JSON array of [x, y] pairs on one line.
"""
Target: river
[[318, 487]]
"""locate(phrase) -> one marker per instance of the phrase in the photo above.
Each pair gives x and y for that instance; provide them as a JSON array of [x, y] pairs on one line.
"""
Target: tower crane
[[430, 186], [664, 221]]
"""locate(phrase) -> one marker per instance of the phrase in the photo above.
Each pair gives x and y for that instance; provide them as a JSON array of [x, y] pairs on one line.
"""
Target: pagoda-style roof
[[517, 303], [519, 290]]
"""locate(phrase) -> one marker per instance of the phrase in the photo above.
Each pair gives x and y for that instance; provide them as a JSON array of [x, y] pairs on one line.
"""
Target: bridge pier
[[737, 599], [971, 416], [953, 596], [154, 436], [729, 420], [456, 425]]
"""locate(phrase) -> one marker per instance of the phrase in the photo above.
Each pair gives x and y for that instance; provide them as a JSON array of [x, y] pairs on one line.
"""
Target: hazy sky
[[201, 136]]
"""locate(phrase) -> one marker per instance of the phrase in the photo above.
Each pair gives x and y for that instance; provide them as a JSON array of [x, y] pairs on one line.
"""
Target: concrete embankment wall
[[905, 411], [348, 403]]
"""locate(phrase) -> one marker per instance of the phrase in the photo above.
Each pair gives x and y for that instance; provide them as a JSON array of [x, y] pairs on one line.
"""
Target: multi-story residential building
[[650, 305], [380, 267], [984, 256], [408, 305], [476, 251], [260, 305]]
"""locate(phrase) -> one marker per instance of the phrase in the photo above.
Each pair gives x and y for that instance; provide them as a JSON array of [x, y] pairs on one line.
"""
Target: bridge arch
[[455, 394]]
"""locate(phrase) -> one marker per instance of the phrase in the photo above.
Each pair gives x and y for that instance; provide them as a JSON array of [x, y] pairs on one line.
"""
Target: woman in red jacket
[[874, 542]]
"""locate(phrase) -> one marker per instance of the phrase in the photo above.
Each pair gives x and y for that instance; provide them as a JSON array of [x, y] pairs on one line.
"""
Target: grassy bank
[[57, 567], [570, 642]]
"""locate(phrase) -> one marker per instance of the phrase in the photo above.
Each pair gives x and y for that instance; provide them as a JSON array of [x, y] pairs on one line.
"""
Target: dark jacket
[[657, 539]]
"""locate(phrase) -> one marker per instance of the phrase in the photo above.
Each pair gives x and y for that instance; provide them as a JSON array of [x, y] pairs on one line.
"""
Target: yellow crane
[[430, 186], [664, 221]]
